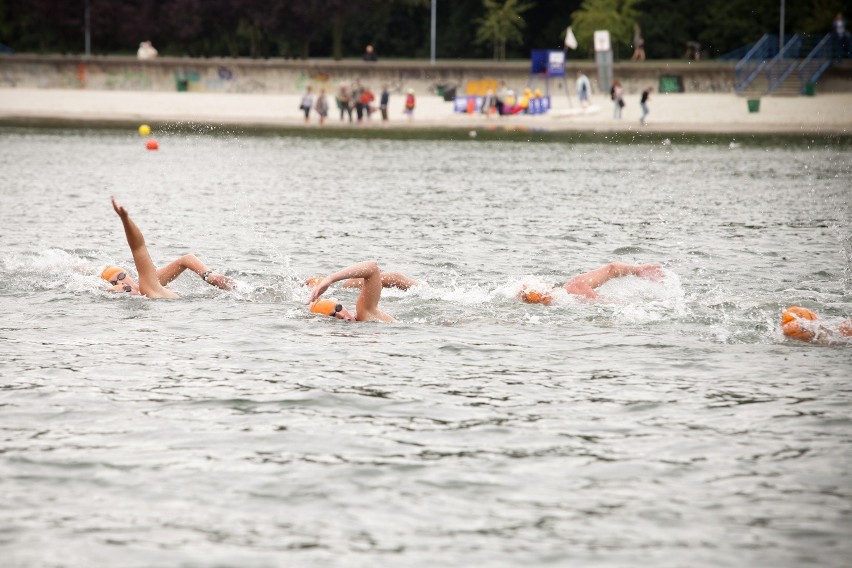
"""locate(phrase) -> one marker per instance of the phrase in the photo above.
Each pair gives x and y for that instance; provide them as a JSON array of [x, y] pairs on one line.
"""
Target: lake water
[[669, 424]]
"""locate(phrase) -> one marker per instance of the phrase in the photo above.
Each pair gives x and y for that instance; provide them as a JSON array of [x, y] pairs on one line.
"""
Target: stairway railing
[[783, 64], [749, 67], [816, 63]]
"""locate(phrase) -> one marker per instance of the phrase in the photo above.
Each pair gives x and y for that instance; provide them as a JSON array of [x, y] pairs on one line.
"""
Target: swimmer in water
[[367, 304], [803, 324], [152, 281], [585, 284]]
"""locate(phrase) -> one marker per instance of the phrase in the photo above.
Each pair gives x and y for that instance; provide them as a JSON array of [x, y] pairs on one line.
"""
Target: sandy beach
[[675, 113]]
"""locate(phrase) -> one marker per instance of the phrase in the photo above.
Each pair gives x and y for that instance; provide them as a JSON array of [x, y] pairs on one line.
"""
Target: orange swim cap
[[533, 297], [325, 307], [792, 326], [111, 272]]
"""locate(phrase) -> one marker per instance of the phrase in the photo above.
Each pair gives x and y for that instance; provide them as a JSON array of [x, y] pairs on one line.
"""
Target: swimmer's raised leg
[[191, 262], [149, 283], [586, 283]]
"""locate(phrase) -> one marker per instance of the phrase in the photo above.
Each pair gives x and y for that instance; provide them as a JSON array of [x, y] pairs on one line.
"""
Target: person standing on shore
[[307, 103], [321, 106], [584, 89], [617, 99], [383, 102], [643, 102], [344, 102], [501, 98], [370, 54], [410, 103], [367, 98], [357, 93]]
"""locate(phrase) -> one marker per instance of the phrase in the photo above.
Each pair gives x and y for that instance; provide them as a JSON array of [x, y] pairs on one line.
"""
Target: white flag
[[570, 40]]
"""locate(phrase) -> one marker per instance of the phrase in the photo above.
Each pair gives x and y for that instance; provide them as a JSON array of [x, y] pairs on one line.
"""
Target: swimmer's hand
[[321, 288], [119, 208], [221, 281], [651, 272]]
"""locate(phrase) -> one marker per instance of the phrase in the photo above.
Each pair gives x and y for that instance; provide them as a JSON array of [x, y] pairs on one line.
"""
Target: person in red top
[[366, 100], [410, 103]]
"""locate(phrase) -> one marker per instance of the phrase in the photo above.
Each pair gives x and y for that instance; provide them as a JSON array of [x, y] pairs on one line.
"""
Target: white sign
[[602, 40], [556, 63]]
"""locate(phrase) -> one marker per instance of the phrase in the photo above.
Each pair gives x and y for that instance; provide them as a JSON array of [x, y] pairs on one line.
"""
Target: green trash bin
[[754, 105], [809, 89], [182, 84]]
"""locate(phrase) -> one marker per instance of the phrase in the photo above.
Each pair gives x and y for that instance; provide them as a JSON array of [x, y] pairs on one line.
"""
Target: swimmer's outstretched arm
[[367, 305], [191, 262], [149, 284], [389, 280], [586, 283]]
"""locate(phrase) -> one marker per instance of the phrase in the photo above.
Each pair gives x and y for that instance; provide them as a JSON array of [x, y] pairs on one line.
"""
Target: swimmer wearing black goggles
[[121, 276]]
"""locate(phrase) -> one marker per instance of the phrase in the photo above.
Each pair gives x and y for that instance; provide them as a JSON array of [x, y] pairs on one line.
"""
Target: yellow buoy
[[144, 130]]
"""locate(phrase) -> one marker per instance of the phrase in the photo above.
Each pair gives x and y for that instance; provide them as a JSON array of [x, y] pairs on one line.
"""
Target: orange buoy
[[151, 144], [791, 323]]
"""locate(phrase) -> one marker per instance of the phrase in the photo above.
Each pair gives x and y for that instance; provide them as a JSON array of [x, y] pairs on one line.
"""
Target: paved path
[[688, 113]]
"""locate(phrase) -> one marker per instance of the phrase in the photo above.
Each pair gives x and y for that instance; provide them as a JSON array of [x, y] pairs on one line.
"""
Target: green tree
[[502, 24], [617, 16]]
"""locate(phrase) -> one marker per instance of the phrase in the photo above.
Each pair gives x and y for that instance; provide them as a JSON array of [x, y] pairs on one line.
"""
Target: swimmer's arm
[[586, 283], [149, 284], [191, 262], [367, 270], [389, 280]]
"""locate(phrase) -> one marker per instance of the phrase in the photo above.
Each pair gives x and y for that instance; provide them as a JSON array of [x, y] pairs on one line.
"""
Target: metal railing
[[816, 63], [783, 64], [749, 67]]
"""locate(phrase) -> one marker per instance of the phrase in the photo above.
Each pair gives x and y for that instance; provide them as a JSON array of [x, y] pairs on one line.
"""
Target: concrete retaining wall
[[222, 75]]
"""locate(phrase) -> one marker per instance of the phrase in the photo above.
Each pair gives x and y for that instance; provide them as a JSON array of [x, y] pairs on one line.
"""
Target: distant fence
[[276, 76]]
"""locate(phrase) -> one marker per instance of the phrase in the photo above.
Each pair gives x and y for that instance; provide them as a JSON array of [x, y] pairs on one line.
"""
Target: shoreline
[[682, 114]]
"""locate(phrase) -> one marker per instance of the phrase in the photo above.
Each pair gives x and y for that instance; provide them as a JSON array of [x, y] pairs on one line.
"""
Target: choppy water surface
[[668, 425]]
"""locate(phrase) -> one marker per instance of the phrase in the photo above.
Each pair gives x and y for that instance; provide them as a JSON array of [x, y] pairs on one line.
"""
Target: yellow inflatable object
[[144, 130]]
